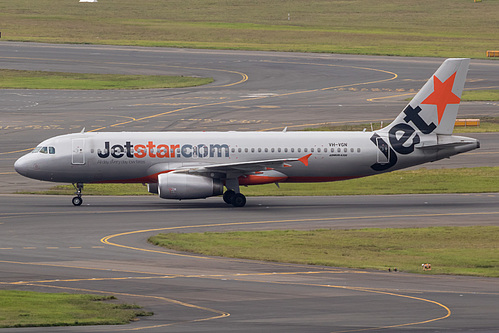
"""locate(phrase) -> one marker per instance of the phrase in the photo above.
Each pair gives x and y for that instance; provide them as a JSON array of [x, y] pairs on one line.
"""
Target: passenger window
[[318, 150], [285, 150], [292, 150], [299, 150], [272, 150], [266, 150], [43, 150], [252, 150], [305, 150], [51, 150], [233, 150], [278, 150], [358, 150], [311, 150], [345, 150], [239, 150], [259, 150], [339, 150], [351, 150]]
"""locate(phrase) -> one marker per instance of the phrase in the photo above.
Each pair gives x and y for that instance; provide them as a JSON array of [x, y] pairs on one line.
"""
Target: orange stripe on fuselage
[[318, 179], [259, 180]]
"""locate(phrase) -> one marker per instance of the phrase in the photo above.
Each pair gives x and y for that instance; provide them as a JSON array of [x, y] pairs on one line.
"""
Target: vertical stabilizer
[[435, 106]]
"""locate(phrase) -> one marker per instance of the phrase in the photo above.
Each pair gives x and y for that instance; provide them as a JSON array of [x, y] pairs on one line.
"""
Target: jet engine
[[152, 188], [186, 186]]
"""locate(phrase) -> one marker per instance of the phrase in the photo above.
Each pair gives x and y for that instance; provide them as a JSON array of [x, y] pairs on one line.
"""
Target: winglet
[[304, 159]]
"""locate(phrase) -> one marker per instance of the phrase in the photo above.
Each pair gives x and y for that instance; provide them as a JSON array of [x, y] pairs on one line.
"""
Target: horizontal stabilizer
[[446, 145], [449, 141]]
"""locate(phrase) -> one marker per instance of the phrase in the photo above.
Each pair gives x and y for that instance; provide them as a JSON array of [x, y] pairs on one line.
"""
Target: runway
[[46, 244]]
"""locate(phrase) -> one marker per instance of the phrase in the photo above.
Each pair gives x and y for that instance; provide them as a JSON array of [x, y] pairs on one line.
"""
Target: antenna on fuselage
[[82, 130], [285, 129]]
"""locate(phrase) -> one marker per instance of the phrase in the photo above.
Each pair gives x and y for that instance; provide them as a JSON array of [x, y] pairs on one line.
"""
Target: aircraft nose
[[21, 166]]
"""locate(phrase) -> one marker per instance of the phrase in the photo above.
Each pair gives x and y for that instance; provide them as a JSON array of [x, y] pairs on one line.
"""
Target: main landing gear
[[77, 201], [234, 199], [232, 196]]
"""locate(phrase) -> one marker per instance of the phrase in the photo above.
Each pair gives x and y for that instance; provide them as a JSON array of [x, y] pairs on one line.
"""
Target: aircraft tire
[[77, 201], [239, 200], [228, 195]]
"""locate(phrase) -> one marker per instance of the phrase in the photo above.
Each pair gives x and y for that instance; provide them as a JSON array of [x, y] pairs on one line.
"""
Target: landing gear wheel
[[228, 195], [239, 200], [77, 201]]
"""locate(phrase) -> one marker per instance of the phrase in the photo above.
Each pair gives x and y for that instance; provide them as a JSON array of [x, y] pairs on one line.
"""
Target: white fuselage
[[139, 157]]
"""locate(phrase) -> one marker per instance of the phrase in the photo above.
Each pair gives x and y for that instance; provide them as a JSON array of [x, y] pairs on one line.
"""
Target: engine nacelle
[[152, 188], [185, 186]]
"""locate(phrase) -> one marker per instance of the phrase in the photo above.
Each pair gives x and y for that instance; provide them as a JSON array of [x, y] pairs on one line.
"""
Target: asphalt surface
[[46, 244], [100, 247]]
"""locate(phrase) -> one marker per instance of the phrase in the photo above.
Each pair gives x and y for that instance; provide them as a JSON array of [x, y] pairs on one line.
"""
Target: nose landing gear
[[77, 201]]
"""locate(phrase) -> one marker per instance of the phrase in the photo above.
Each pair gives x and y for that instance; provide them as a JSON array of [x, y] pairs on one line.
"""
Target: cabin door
[[78, 152]]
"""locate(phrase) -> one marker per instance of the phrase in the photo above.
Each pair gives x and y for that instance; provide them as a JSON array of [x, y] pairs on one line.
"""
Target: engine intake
[[185, 186]]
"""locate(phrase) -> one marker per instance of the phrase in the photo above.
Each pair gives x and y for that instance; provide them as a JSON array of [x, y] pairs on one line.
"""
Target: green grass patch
[[446, 28], [480, 95], [17, 79], [29, 309], [462, 180], [96, 189], [487, 124], [450, 250], [421, 181]]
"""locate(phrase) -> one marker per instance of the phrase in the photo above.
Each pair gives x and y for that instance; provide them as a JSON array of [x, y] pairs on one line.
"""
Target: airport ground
[[46, 244]]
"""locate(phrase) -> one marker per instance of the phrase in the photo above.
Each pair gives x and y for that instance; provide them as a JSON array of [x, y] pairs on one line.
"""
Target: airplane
[[194, 165]]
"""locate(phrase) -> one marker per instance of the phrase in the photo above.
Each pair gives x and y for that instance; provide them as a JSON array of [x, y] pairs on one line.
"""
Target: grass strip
[[450, 250], [462, 180], [481, 95], [17, 79], [32, 309], [445, 28]]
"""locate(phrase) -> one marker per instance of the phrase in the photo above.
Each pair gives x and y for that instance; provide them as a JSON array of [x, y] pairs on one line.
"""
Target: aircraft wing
[[244, 167]]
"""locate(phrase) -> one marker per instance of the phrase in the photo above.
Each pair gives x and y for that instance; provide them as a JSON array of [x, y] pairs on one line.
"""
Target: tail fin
[[434, 108]]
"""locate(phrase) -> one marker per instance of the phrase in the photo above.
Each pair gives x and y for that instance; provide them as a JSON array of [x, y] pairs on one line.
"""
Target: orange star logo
[[442, 95]]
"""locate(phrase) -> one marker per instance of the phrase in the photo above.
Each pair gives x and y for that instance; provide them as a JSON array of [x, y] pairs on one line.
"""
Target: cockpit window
[[44, 150]]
